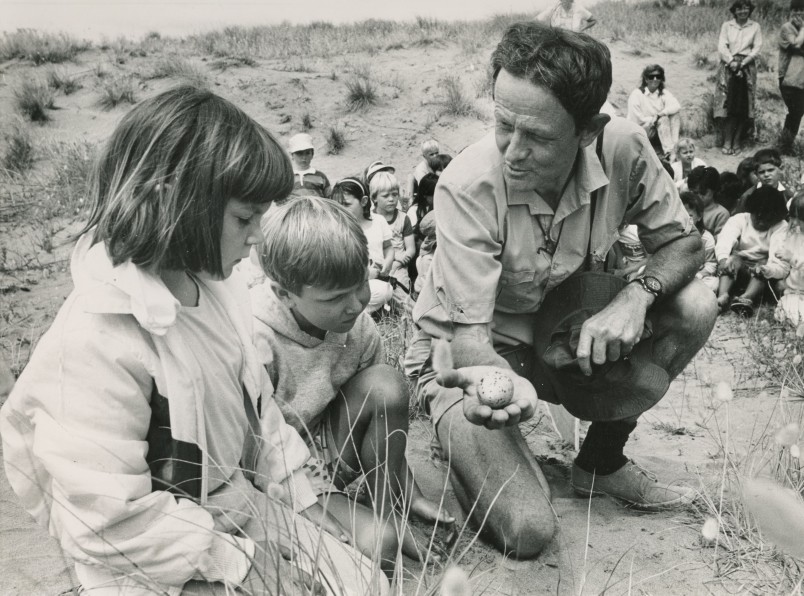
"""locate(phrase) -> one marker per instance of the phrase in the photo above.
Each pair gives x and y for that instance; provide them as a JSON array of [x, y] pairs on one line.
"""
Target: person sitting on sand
[[655, 109], [567, 14], [708, 271], [143, 433], [742, 250], [705, 182], [430, 150], [786, 263], [768, 169], [326, 360], [306, 179], [685, 162]]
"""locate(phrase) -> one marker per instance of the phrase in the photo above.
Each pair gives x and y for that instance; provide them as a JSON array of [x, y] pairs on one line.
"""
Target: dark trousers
[[794, 100]]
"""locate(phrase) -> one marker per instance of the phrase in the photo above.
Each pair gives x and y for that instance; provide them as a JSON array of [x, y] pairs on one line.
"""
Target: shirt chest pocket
[[520, 260]]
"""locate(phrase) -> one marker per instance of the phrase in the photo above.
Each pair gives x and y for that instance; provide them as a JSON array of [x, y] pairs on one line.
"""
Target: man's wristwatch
[[650, 284]]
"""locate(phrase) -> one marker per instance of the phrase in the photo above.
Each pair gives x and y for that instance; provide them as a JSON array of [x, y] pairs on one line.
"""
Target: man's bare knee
[[527, 534]]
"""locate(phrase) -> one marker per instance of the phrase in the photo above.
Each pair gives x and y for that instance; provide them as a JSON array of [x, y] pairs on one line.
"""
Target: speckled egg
[[495, 390]]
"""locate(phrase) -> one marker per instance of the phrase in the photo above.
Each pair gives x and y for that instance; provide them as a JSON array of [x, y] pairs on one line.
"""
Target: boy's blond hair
[[381, 182], [312, 241]]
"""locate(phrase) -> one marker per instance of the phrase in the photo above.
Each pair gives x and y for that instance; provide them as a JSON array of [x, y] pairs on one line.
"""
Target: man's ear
[[285, 296], [593, 128]]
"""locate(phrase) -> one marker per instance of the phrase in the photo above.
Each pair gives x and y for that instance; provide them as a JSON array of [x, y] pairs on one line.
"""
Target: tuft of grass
[[40, 48], [60, 80], [306, 121], [360, 93], [70, 182], [19, 156], [699, 117], [456, 101], [178, 68], [32, 99], [336, 140], [117, 91]]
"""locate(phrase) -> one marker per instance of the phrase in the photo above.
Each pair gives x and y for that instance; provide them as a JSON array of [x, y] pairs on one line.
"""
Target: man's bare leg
[[496, 478]]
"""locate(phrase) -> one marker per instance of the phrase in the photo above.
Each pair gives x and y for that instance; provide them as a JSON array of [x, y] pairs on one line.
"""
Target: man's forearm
[[676, 263], [472, 346]]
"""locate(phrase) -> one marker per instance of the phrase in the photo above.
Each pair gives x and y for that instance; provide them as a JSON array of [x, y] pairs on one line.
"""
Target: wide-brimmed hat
[[300, 142], [615, 390]]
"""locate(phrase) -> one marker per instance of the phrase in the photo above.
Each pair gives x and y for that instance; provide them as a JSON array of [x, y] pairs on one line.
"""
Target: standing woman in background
[[567, 15], [791, 74], [739, 45]]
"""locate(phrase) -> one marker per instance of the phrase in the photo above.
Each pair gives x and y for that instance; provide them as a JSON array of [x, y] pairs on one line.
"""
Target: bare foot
[[723, 302], [427, 510]]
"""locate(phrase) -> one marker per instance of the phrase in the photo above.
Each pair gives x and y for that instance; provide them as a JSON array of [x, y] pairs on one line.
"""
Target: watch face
[[653, 284]]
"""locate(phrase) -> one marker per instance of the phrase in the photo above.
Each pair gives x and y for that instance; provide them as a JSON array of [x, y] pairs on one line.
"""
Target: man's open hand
[[522, 406]]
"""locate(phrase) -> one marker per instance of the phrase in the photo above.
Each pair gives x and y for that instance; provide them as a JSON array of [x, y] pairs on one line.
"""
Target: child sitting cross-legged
[[326, 360], [708, 271], [742, 249], [384, 193]]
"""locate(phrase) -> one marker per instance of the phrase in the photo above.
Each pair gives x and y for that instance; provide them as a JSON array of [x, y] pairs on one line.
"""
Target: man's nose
[[517, 147]]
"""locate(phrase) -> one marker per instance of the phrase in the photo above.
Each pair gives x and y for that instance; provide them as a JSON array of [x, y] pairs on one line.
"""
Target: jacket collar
[[125, 288]]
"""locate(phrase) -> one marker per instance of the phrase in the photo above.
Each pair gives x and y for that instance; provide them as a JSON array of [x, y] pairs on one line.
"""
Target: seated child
[[427, 229], [743, 246], [685, 162], [730, 190], [422, 205], [708, 271], [439, 163], [768, 170], [786, 262], [429, 150], [705, 182], [384, 193], [326, 360], [352, 195], [306, 179], [143, 433]]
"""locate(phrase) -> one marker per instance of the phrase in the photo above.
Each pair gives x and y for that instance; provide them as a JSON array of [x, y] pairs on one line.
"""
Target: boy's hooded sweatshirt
[[308, 372]]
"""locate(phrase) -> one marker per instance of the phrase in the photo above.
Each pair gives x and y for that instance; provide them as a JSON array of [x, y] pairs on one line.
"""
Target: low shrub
[[40, 48], [336, 140], [33, 98], [19, 155], [117, 91], [360, 93]]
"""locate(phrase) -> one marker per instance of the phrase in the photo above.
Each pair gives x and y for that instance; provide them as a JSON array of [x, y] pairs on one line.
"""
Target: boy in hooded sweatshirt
[[326, 360]]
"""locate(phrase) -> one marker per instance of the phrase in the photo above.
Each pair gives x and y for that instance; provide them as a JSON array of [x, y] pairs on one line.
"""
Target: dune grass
[[33, 99], [39, 47]]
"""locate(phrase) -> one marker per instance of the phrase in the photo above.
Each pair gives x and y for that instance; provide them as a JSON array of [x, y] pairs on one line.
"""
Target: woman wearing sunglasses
[[656, 110]]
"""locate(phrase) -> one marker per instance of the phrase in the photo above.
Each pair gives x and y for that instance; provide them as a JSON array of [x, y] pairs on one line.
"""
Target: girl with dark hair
[[656, 110], [143, 432], [743, 246], [786, 263], [739, 45], [705, 182]]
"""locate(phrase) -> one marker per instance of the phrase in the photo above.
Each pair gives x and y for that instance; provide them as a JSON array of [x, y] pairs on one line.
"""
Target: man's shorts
[[327, 471]]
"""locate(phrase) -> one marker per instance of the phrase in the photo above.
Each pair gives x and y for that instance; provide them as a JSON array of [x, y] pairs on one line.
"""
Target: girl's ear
[[364, 201]]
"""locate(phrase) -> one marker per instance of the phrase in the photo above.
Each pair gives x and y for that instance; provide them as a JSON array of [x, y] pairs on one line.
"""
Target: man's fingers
[[584, 351], [452, 378], [613, 351], [599, 353]]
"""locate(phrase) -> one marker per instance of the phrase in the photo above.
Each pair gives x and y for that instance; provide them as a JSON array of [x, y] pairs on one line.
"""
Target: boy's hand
[[323, 518], [730, 265], [763, 270], [522, 406], [272, 567]]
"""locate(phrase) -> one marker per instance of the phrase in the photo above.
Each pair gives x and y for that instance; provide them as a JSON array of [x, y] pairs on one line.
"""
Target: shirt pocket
[[515, 290]]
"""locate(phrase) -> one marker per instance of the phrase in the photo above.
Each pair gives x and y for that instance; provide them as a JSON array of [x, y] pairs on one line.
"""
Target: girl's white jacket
[[75, 431]]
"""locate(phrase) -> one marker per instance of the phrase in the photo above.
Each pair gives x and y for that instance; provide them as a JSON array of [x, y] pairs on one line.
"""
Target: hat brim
[[615, 390]]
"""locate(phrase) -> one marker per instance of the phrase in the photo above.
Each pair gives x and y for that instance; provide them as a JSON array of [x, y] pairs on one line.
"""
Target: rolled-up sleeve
[[653, 201], [462, 284]]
